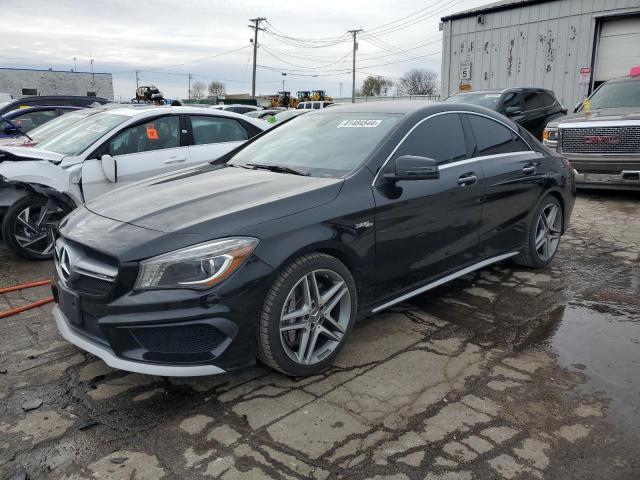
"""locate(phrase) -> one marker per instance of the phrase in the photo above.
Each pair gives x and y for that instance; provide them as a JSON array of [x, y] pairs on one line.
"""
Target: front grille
[[180, 339], [84, 270], [608, 140]]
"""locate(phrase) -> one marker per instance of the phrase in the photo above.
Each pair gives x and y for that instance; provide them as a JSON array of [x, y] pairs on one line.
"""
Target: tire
[[306, 318], [542, 241], [18, 233]]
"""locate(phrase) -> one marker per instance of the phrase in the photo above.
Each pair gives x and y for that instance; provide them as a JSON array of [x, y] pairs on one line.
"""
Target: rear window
[[488, 100]]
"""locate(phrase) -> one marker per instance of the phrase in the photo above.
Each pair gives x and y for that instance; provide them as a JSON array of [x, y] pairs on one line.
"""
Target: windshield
[[327, 145], [78, 137], [489, 100], [57, 125], [616, 95]]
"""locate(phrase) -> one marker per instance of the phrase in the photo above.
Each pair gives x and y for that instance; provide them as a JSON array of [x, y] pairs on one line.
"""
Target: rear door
[[513, 180], [213, 136], [425, 228], [141, 151]]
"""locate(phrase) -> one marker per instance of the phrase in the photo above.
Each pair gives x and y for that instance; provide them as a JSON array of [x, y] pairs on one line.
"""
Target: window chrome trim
[[384, 164], [484, 157], [446, 279]]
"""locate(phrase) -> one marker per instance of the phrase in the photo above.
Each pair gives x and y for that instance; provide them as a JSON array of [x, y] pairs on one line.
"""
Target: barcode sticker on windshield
[[359, 124], [96, 128]]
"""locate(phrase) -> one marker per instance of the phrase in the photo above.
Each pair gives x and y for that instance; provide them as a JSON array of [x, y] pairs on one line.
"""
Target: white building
[[568, 46], [20, 82]]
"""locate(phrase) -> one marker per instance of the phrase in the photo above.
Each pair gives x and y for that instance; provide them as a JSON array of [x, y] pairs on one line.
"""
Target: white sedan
[[108, 150]]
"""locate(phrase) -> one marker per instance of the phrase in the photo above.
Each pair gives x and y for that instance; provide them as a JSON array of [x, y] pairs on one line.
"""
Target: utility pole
[[256, 27], [189, 94], [355, 47], [340, 89], [137, 79], [283, 75]]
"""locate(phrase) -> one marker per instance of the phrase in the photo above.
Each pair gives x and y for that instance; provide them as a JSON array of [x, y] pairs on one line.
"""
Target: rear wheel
[[27, 226], [307, 315], [543, 235]]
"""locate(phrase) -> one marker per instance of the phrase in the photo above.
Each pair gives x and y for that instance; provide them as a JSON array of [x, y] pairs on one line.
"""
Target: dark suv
[[532, 108]]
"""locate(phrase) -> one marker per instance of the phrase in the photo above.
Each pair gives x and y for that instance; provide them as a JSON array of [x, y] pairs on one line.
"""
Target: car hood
[[19, 153], [214, 199], [603, 115]]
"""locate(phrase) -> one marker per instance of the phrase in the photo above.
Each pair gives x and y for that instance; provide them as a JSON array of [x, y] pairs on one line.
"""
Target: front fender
[[41, 177]]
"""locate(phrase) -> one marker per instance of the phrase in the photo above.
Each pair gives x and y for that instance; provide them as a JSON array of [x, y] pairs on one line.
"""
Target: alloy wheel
[[548, 230], [315, 316], [32, 229]]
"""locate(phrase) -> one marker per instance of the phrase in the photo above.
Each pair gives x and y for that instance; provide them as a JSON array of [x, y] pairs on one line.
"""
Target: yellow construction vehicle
[[282, 100], [319, 96]]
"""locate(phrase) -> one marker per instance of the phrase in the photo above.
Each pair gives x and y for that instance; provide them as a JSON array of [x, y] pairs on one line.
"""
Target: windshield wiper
[[278, 168], [18, 130]]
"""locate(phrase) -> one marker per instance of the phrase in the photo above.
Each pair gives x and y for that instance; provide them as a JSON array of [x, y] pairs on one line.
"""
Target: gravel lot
[[506, 373]]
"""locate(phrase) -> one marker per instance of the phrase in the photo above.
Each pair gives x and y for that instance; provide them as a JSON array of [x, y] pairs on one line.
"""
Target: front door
[[140, 151], [426, 228]]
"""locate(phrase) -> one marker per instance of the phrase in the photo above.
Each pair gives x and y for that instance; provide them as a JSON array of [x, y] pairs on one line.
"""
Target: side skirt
[[452, 276]]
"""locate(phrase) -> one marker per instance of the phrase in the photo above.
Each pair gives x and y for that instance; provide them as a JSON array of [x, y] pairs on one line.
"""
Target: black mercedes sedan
[[274, 251]]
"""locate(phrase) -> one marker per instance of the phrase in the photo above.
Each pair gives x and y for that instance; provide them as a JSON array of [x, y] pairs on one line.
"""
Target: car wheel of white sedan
[[27, 226]]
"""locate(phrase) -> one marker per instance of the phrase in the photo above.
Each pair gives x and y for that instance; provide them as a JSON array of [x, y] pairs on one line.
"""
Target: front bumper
[[626, 180], [107, 355], [620, 172]]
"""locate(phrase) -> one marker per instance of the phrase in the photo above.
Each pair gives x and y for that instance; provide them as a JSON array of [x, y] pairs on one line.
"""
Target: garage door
[[619, 48]]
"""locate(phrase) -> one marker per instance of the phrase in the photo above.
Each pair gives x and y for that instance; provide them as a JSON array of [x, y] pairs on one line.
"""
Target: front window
[[488, 100], [617, 94], [83, 134], [322, 144], [160, 134]]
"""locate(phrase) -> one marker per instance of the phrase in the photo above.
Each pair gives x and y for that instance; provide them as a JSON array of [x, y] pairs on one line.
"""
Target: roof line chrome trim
[[446, 279], [120, 363], [384, 164]]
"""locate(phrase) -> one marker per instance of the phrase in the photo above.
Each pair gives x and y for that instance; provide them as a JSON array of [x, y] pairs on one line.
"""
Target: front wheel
[[27, 226], [543, 235], [307, 315]]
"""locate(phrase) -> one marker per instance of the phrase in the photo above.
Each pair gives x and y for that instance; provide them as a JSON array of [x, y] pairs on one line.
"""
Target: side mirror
[[11, 128], [411, 167], [509, 111], [110, 167]]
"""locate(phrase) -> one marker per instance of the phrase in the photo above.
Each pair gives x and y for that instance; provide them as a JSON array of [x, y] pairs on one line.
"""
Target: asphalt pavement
[[506, 373]]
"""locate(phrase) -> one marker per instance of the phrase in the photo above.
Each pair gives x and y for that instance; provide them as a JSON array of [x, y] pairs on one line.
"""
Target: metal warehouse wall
[[52, 82], [539, 45]]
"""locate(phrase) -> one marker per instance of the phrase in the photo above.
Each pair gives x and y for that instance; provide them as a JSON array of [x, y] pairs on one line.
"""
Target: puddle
[[605, 346]]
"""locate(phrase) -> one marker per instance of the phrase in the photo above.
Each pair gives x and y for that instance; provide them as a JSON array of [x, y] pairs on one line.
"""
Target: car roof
[[413, 109], [152, 111], [626, 78], [35, 108]]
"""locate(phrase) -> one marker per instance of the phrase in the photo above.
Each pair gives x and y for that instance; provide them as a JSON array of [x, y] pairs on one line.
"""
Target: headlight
[[200, 266], [550, 137]]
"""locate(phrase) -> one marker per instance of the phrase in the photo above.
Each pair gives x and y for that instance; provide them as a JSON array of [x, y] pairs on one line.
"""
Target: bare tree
[[217, 89], [197, 90], [375, 86], [418, 82]]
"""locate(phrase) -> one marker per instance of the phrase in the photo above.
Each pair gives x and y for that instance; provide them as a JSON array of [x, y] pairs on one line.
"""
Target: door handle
[[175, 159], [529, 169], [465, 180]]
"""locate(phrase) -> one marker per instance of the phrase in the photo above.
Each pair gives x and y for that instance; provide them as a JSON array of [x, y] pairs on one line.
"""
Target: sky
[[167, 40]]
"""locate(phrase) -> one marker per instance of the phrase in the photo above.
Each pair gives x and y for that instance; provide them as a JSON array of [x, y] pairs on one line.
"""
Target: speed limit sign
[[465, 70]]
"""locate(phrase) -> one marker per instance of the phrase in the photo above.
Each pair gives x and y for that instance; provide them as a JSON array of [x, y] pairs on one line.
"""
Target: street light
[[283, 75]]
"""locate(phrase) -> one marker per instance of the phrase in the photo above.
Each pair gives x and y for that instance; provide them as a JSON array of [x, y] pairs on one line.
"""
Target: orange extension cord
[[29, 306]]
